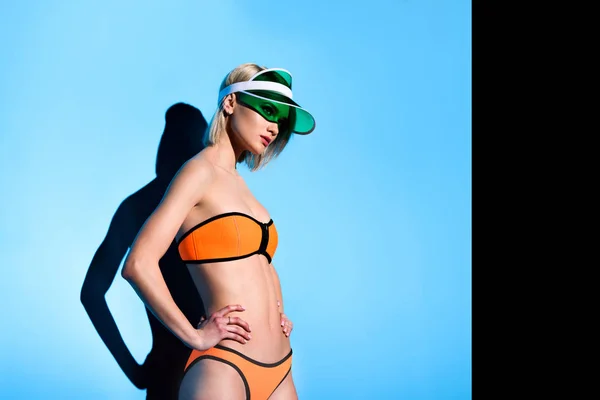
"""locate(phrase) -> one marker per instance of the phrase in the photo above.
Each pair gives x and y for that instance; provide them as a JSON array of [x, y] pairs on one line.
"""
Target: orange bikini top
[[227, 237]]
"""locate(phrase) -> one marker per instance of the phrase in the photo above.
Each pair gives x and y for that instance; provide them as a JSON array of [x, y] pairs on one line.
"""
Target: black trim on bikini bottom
[[282, 379], [210, 357], [223, 215], [245, 357]]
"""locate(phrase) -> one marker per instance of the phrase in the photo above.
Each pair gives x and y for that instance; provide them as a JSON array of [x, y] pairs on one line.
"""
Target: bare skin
[[243, 298]]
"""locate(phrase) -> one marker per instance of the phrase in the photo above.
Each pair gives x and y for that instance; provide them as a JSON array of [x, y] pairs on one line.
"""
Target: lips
[[266, 140]]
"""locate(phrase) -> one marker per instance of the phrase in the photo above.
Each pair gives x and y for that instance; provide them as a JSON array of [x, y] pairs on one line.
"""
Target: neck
[[227, 153]]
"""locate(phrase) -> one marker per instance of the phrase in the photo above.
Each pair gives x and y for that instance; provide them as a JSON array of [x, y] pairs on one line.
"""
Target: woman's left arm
[[286, 324]]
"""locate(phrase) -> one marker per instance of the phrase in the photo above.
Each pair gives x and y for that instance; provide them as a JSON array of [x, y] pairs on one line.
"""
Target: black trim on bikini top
[[263, 243]]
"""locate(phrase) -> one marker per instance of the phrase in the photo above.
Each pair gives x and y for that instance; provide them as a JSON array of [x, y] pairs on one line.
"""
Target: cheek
[[248, 123], [239, 124]]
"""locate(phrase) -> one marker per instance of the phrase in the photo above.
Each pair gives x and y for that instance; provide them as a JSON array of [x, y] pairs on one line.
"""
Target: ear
[[229, 104]]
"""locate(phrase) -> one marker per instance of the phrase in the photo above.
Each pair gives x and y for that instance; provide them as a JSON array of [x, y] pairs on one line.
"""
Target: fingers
[[287, 325], [237, 333], [222, 318], [223, 321], [287, 329], [240, 322], [236, 337], [227, 309]]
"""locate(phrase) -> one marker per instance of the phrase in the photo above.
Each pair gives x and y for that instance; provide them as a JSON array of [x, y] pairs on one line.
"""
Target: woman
[[227, 239]]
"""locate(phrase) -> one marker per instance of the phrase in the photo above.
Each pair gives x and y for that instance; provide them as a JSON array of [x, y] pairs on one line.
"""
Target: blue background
[[373, 209]]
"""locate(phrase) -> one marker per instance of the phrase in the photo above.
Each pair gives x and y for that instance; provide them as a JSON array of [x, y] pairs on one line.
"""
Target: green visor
[[269, 93]]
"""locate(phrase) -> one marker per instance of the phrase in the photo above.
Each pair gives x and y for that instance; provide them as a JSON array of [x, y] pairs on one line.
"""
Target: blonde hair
[[218, 123]]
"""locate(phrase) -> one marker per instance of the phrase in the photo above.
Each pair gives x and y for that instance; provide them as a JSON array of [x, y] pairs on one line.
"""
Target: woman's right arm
[[141, 267]]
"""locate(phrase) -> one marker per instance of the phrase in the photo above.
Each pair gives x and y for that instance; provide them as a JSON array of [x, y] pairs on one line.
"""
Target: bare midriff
[[248, 282]]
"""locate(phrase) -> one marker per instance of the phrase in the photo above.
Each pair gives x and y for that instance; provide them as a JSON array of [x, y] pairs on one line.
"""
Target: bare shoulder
[[193, 179], [187, 188], [198, 168]]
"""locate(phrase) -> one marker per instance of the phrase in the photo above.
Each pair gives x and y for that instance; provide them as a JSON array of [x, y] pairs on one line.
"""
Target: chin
[[258, 150]]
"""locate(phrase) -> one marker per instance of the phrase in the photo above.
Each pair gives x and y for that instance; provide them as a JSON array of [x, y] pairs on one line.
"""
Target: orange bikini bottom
[[260, 379]]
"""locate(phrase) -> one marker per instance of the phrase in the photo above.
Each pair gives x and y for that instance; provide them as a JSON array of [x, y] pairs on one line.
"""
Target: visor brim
[[304, 122]]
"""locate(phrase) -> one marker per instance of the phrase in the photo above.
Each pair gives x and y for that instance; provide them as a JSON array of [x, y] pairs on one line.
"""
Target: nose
[[273, 128]]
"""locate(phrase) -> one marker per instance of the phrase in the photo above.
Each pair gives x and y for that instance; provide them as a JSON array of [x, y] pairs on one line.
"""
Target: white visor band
[[255, 85]]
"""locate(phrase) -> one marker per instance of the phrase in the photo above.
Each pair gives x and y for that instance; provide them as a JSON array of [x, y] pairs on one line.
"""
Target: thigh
[[285, 391], [210, 379]]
